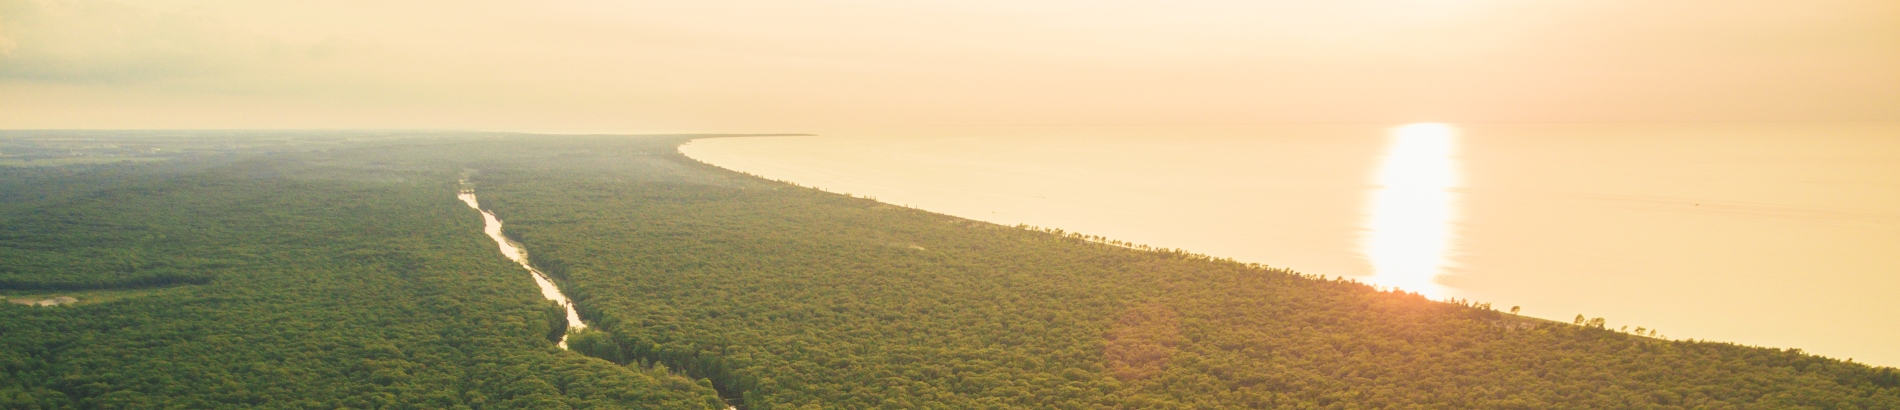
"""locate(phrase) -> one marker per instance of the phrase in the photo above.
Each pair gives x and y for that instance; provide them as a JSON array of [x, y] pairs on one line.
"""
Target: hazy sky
[[717, 65]]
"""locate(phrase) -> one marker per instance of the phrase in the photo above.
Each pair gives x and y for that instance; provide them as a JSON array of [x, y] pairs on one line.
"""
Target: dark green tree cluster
[[794, 298], [294, 282], [56, 246]]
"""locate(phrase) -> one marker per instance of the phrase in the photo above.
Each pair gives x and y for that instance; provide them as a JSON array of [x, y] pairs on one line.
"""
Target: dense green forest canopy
[[337, 270], [253, 280]]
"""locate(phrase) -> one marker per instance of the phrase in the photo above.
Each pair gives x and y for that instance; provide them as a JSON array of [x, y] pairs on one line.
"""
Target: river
[[492, 226]]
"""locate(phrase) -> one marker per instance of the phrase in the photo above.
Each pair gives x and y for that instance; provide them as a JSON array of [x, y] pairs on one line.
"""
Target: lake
[[1783, 235]]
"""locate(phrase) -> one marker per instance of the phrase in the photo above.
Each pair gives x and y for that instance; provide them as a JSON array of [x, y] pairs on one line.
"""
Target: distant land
[[339, 270]]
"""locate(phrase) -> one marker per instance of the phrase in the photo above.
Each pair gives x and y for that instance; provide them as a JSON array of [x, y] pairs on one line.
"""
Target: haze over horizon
[[735, 66], [1056, 204]]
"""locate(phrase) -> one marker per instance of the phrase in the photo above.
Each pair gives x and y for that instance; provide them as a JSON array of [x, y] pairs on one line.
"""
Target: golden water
[[1782, 235]]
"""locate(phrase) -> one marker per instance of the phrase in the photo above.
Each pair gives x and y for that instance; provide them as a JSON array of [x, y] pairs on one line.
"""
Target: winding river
[[492, 226]]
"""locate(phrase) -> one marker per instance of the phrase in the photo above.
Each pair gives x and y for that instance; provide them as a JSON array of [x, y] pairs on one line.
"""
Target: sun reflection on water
[[1408, 229]]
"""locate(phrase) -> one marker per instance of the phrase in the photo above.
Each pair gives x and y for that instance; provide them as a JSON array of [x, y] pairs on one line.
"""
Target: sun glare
[[1408, 229]]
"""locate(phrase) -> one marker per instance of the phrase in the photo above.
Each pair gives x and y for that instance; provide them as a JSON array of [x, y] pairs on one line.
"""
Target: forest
[[303, 271], [257, 281]]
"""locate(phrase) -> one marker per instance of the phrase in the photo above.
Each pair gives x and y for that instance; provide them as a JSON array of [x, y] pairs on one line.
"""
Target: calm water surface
[[492, 227], [1780, 235]]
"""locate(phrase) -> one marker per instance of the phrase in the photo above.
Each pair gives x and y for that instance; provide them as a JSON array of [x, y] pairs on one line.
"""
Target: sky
[[758, 66]]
